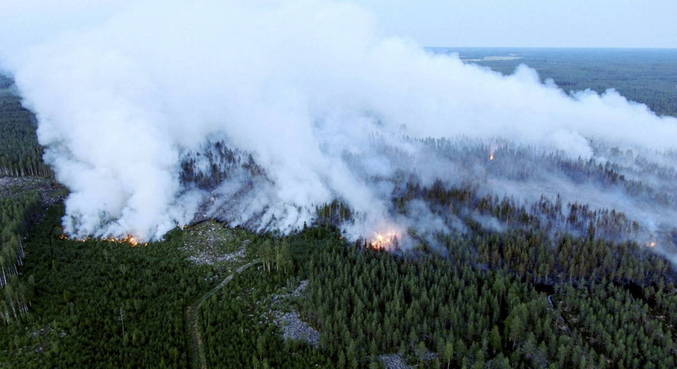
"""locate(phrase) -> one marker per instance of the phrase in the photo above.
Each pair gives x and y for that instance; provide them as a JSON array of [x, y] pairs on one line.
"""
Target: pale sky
[[531, 23]]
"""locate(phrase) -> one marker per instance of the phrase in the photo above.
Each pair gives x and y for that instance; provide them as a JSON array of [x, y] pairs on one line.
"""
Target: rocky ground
[[211, 243], [295, 329], [394, 361], [289, 320], [49, 190], [42, 338]]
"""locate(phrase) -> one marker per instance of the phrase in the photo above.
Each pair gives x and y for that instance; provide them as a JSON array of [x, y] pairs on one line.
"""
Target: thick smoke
[[276, 107]]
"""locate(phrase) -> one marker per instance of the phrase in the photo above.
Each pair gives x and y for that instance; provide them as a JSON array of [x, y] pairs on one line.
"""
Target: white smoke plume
[[124, 92]]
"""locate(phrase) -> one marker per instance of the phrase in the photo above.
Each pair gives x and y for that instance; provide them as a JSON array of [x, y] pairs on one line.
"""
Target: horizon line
[[553, 47]]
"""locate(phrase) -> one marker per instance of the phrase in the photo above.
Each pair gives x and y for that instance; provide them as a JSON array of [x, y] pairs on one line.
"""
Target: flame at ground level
[[129, 239]]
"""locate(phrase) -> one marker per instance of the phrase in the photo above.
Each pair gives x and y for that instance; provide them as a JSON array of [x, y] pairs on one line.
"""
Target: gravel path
[[199, 358]]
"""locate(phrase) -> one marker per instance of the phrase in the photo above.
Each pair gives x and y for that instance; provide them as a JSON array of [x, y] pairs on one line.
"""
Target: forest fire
[[651, 244], [129, 239], [492, 151], [384, 241]]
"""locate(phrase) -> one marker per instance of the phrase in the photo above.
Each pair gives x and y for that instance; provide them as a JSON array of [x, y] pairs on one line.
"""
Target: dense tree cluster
[[20, 153], [440, 313], [101, 304], [15, 293], [275, 255], [237, 334], [619, 326], [546, 240], [335, 212]]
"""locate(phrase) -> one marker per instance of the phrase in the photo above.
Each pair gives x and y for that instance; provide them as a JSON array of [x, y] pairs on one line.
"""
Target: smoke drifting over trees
[[258, 112]]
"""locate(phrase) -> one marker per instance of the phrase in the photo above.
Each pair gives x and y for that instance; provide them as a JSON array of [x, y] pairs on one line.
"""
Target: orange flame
[[384, 241], [129, 239]]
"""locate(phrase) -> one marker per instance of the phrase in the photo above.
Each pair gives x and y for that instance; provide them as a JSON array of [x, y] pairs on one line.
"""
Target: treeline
[[15, 215], [20, 153]]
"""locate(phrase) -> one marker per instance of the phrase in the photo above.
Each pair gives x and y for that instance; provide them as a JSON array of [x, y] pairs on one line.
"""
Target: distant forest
[[646, 76]]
